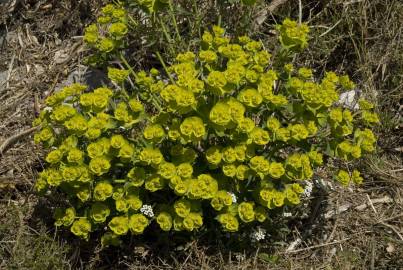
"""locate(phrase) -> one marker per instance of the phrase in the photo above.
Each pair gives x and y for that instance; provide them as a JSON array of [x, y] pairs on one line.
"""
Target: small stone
[[390, 248], [349, 99], [60, 56]]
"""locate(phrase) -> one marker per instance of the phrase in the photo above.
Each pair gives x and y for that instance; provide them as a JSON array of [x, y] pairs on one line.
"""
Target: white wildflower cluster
[[258, 234], [147, 210], [233, 197], [240, 257], [308, 188], [287, 214]]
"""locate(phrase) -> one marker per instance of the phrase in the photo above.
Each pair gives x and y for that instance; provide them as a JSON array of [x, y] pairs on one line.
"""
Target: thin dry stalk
[[8, 142]]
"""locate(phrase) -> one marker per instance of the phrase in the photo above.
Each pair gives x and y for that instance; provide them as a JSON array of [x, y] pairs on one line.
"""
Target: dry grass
[[361, 38]]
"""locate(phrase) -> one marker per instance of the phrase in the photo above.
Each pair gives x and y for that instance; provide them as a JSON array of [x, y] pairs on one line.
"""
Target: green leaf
[[322, 119], [120, 181], [268, 258], [330, 150], [220, 133], [297, 108], [111, 125]]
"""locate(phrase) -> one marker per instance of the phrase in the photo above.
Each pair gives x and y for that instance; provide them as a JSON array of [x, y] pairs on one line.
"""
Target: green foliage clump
[[152, 6], [228, 138]]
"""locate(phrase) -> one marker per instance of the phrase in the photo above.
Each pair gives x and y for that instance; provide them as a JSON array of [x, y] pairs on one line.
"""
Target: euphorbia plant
[[229, 134]]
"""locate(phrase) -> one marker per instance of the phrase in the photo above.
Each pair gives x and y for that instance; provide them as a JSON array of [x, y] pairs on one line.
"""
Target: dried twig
[[371, 204], [275, 4], [52, 88], [256, 256], [393, 229], [361, 207], [316, 246], [8, 7], [262, 15], [352, 2], [299, 12], [11, 140], [76, 47], [10, 70], [37, 106], [372, 267], [330, 29], [392, 217], [334, 227], [385, 199], [293, 245]]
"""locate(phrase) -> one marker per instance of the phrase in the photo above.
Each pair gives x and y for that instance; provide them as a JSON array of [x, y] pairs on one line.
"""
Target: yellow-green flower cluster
[[154, 132], [152, 6], [234, 138], [117, 75], [272, 197], [229, 222], [81, 228], [299, 166], [64, 217], [179, 99], [186, 215], [192, 128], [315, 96], [368, 116], [293, 36], [344, 178], [128, 114], [347, 150], [365, 139], [107, 34]]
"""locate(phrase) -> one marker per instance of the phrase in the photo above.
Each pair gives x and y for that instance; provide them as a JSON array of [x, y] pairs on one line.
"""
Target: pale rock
[[350, 99]]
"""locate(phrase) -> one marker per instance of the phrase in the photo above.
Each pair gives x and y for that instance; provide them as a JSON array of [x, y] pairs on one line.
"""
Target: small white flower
[[258, 234], [233, 197], [287, 214], [308, 189], [147, 210], [48, 109], [240, 257]]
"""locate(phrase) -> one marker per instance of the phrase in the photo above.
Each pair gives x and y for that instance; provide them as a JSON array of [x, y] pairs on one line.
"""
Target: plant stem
[[153, 98], [167, 36], [156, 102], [171, 11], [133, 21], [124, 92], [165, 67]]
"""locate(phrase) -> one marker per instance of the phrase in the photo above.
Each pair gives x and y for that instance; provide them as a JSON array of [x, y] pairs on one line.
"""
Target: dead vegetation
[[360, 228]]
